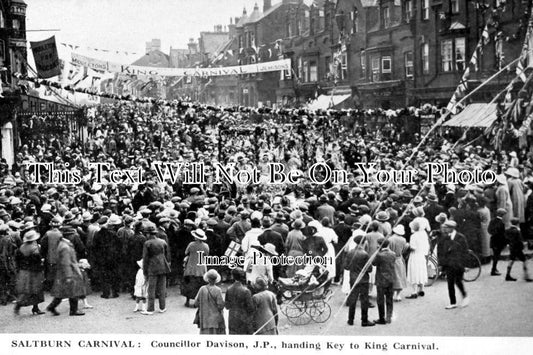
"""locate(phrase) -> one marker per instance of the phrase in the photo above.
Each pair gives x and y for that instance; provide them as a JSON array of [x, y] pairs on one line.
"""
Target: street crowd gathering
[[138, 239]]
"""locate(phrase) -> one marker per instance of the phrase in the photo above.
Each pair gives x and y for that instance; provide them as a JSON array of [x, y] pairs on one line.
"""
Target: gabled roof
[[155, 59]]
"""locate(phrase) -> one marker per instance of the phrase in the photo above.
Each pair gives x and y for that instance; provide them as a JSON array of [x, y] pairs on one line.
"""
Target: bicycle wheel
[[472, 267], [433, 271], [296, 313], [319, 311]]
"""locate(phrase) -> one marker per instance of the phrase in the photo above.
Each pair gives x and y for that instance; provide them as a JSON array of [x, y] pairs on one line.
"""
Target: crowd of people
[[140, 238]]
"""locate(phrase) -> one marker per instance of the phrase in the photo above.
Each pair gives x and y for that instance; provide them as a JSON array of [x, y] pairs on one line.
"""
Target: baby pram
[[306, 295]]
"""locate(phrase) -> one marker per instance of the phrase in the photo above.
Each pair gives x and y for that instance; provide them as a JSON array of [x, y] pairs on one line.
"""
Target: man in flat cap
[[454, 248]]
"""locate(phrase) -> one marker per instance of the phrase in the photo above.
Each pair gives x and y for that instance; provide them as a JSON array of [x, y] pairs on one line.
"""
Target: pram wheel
[[319, 311], [296, 313]]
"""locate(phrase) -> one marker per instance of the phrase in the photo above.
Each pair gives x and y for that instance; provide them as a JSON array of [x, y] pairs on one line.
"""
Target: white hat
[[399, 230], [199, 234]]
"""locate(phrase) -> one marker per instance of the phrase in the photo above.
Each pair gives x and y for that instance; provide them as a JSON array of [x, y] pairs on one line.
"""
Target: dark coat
[[70, 233], [69, 279], [315, 246], [355, 262], [454, 252], [272, 237], [431, 211], [384, 263], [516, 244], [497, 233], [155, 261], [344, 232], [240, 306], [106, 248]]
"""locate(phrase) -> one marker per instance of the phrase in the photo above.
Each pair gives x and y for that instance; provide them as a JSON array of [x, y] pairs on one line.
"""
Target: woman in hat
[[399, 246], [194, 271], [294, 247], [417, 273], [265, 317], [210, 303], [30, 275]]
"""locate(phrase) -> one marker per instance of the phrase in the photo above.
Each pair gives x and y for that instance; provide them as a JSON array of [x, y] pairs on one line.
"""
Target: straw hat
[[512, 172], [199, 234], [269, 248]]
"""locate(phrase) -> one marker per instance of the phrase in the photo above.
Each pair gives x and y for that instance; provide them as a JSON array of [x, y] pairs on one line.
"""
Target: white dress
[[330, 237], [417, 272]]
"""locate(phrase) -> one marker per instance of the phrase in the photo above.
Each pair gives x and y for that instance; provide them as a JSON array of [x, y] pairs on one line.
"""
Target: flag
[[46, 58], [233, 249]]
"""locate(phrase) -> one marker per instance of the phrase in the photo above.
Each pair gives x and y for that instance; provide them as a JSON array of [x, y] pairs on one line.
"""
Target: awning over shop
[[324, 102], [474, 115]]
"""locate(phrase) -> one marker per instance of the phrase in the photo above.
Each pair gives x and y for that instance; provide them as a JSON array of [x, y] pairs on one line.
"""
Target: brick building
[[319, 59], [259, 36], [411, 52]]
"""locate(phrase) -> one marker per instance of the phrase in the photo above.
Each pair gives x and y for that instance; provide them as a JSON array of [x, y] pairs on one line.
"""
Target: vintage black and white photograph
[[303, 169]]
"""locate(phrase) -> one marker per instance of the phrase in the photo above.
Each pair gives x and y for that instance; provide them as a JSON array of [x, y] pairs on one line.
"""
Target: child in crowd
[[140, 290], [84, 266]]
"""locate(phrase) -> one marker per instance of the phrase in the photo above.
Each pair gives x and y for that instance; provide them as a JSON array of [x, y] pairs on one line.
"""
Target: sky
[[126, 25]]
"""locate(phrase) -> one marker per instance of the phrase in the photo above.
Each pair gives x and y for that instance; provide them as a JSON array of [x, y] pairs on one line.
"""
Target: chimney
[[267, 4], [244, 12]]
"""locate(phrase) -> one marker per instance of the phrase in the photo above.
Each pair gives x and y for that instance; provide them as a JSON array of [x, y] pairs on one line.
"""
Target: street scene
[[286, 167]]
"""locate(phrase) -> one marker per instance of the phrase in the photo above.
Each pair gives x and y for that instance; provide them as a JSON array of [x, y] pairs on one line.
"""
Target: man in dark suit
[[497, 239], [274, 238], [432, 210], [271, 236], [384, 263], [356, 260], [107, 247], [155, 268], [240, 305], [454, 249], [344, 232]]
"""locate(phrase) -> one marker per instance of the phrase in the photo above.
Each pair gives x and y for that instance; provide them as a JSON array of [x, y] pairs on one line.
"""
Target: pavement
[[497, 308]]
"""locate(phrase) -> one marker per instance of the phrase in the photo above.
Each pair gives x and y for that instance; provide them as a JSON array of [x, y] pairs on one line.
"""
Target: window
[[425, 9], [321, 20], [343, 66], [312, 25], [408, 10], [453, 54], [454, 5], [2, 20], [252, 39], [313, 71], [305, 71], [425, 58], [16, 24], [289, 29], [386, 68], [353, 18], [446, 52], [408, 64], [240, 41], [375, 69], [327, 20], [328, 65], [460, 54], [363, 65], [386, 17]]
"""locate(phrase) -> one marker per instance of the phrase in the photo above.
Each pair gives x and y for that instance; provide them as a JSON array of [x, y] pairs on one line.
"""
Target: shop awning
[[474, 115], [324, 102]]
